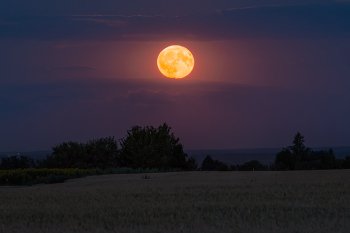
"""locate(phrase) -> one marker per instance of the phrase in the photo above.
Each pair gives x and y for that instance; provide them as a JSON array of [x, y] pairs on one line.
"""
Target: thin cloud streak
[[112, 23], [72, 68], [124, 16], [264, 6], [301, 21]]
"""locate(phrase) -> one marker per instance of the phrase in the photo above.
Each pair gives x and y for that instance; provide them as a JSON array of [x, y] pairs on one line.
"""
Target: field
[[295, 201], [43, 175]]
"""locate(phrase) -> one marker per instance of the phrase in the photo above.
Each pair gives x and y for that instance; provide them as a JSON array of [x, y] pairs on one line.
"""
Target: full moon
[[175, 62]]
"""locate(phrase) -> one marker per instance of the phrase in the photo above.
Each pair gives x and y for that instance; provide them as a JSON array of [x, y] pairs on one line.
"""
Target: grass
[[298, 201], [32, 176]]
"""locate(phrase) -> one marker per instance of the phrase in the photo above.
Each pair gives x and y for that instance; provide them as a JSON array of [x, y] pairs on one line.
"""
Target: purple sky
[[264, 70]]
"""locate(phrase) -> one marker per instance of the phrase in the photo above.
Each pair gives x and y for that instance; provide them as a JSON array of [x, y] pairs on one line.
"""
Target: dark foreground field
[[298, 201]]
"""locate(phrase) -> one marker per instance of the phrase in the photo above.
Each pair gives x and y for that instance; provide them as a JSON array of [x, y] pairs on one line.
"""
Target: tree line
[[300, 157], [143, 147], [214, 165], [157, 148], [295, 157]]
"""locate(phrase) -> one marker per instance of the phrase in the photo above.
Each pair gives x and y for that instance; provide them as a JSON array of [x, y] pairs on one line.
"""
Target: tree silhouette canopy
[[146, 147], [14, 162], [150, 147], [288, 158], [209, 164], [101, 153], [299, 157]]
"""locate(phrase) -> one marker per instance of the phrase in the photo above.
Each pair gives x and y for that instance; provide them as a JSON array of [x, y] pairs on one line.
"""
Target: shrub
[[299, 157], [102, 153], [150, 147], [14, 162], [209, 164]]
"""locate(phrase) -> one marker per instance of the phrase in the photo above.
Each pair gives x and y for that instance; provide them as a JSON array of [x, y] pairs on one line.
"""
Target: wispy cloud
[[266, 21], [263, 6], [109, 22], [124, 16], [75, 68]]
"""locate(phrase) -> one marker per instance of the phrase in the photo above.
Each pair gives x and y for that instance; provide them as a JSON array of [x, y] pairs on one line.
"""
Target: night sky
[[264, 70]]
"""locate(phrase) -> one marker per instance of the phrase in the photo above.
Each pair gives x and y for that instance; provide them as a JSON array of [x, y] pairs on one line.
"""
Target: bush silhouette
[[151, 147], [14, 162], [253, 165], [346, 164], [292, 156], [299, 157], [102, 153], [142, 148], [209, 164]]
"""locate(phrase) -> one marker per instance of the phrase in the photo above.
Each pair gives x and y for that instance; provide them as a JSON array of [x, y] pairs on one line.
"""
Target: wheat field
[[292, 201]]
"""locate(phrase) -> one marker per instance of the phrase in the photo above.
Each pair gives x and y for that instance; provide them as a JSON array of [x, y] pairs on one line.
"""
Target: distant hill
[[230, 156]]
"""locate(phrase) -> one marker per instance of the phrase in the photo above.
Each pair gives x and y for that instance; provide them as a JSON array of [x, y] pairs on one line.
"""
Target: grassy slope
[[300, 201]]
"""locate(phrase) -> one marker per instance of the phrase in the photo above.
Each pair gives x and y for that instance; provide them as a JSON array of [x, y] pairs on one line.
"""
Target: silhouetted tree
[[347, 162], [223, 166], [298, 148], [192, 164], [324, 159], [233, 167], [209, 164], [290, 158], [151, 147], [342, 163], [14, 162], [68, 155], [284, 160], [253, 165], [299, 157], [102, 153]]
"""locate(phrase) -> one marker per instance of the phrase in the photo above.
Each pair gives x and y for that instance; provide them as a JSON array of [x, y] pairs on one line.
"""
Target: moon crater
[[175, 62]]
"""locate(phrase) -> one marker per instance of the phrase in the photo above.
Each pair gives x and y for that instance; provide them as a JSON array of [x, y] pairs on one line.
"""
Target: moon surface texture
[[175, 62]]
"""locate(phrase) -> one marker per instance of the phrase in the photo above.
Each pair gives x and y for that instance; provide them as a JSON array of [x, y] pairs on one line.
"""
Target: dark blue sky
[[264, 70]]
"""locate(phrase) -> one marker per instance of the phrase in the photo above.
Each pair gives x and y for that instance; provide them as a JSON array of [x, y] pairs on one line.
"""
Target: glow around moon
[[175, 62]]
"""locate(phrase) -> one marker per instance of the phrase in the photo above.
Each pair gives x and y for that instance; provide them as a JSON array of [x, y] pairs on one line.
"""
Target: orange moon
[[175, 62]]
